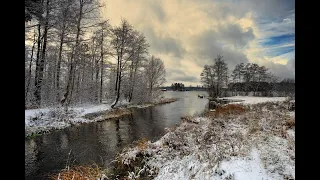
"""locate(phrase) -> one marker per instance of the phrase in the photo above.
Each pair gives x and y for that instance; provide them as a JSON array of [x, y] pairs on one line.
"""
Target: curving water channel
[[99, 142]]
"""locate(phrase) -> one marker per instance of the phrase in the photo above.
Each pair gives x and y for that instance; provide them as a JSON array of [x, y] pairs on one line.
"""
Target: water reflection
[[99, 142]]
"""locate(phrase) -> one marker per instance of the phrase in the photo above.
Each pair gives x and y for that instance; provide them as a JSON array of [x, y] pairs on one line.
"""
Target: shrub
[[230, 109]]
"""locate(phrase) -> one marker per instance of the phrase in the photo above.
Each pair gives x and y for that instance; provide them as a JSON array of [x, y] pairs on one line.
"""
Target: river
[[99, 142]]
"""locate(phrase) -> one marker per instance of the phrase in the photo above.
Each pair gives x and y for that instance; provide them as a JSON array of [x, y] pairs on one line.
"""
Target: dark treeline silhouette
[[245, 79], [190, 88], [178, 87], [264, 88]]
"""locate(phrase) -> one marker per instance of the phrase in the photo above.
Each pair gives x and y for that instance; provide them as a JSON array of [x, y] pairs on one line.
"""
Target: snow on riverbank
[[258, 144], [45, 119], [254, 99]]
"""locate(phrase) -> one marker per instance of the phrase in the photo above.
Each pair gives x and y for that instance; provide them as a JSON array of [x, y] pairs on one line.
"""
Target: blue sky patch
[[277, 40]]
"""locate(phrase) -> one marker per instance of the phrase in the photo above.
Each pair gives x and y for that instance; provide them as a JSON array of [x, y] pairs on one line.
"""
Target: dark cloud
[[207, 48], [177, 75], [166, 45], [157, 10], [234, 35]]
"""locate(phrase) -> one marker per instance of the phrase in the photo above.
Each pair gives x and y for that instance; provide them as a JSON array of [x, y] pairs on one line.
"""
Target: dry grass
[[187, 118], [142, 144], [229, 109], [117, 113], [290, 123], [79, 173], [254, 126], [232, 130]]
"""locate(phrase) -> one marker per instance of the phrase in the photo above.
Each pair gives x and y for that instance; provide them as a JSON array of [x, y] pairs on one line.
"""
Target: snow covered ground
[[258, 144], [254, 99], [46, 119], [43, 120]]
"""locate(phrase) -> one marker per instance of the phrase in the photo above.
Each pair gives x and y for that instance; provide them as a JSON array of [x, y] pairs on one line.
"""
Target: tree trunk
[[101, 80], [118, 80], [30, 70], [59, 60], [118, 91], [38, 83], [101, 66], [130, 82], [60, 52], [133, 81], [96, 81], [67, 98]]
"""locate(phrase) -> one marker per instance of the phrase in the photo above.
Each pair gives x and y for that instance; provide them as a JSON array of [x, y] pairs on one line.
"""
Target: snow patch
[[247, 168], [254, 99]]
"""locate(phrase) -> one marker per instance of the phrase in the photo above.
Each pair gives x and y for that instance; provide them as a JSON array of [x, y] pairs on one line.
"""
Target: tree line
[[177, 87], [73, 56], [249, 77]]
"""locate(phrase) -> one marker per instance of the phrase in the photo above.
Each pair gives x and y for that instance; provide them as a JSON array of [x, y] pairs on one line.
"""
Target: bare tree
[[208, 79], [139, 50], [62, 28], [40, 63], [155, 74], [86, 7], [30, 68], [73, 47], [220, 68], [121, 43]]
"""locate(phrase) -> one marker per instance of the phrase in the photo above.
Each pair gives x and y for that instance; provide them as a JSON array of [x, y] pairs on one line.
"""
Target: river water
[[100, 141]]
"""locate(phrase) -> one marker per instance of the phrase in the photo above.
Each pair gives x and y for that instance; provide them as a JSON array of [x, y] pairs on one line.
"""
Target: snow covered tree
[[122, 38], [155, 74]]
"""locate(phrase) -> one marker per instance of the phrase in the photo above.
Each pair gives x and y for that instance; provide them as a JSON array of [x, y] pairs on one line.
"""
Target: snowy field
[[253, 99], [258, 144]]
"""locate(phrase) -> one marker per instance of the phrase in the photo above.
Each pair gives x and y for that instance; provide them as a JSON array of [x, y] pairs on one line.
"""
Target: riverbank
[[237, 141], [40, 121]]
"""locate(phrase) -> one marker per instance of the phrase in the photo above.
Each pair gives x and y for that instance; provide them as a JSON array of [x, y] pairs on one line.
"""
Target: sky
[[187, 34]]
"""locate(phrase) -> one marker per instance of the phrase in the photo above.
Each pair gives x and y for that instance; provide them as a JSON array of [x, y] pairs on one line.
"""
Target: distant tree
[[237, 74], [220, 68], [288, 86], [261, 73], [177, 86], [208, 79]]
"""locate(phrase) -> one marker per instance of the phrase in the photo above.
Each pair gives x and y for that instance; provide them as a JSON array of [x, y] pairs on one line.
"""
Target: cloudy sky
[[187, 34]]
